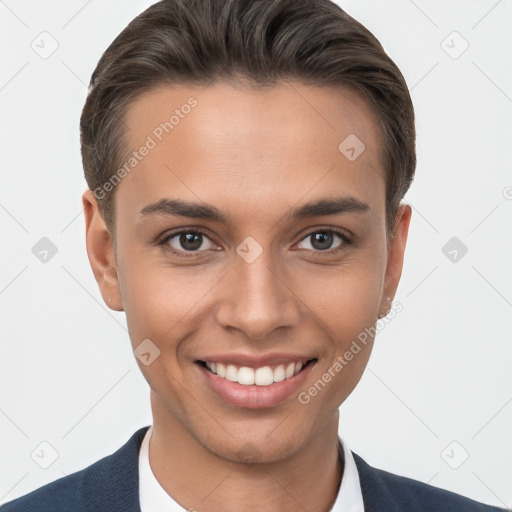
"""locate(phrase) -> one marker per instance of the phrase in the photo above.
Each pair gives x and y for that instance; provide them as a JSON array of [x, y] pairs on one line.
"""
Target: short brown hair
[[205, 41]]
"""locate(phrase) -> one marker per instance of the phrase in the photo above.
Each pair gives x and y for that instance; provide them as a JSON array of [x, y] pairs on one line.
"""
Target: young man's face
[[262, 286]]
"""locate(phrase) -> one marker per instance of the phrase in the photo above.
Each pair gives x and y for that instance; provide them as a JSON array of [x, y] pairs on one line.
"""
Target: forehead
[[241, 146]]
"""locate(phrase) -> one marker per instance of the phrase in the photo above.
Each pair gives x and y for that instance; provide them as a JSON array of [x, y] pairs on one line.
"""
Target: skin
[[255, 155]]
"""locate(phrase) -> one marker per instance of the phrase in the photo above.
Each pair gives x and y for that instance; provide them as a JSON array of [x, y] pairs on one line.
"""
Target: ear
[[396, 252], [100, 251]]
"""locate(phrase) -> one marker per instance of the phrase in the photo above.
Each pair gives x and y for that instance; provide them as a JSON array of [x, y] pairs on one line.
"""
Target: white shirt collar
[[153, 497]]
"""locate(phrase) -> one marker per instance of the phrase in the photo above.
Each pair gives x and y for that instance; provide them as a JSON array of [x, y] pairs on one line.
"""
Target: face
[[247, 237]]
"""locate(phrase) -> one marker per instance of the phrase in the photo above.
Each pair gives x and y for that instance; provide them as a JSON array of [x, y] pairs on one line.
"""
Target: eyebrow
[[322, 207]]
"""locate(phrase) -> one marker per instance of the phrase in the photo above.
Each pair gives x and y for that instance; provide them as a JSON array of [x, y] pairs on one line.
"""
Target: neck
[[306, 478]]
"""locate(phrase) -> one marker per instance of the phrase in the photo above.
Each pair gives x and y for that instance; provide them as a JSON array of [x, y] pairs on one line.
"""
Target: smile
[[263, 376], [255, 388]]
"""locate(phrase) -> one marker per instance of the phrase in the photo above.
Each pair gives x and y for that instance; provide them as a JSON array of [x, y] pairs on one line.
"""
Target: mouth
[[261, 376], [255, 387]]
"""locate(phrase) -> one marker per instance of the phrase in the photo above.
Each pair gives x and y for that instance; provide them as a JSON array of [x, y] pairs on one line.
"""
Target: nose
[[258, 298]]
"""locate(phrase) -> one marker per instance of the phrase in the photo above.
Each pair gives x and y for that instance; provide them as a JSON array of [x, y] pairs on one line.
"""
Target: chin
[[257, 449]]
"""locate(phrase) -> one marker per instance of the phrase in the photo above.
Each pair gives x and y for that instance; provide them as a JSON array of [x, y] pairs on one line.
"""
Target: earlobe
[[395, 257], [100, 252]]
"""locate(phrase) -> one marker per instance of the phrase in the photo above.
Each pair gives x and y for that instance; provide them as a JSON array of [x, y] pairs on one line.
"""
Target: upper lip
[[257, 361]]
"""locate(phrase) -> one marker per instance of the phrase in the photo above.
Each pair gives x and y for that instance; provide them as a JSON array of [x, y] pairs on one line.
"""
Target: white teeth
[[221, 370], [246, 376], [263, 376], [279, 373], [232, 373]]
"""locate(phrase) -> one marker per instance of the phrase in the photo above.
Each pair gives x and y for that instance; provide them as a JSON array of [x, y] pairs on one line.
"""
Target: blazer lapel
[[376, 495], [118, 478]]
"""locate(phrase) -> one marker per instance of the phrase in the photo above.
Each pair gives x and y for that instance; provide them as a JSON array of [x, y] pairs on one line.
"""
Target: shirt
[[154, 498]]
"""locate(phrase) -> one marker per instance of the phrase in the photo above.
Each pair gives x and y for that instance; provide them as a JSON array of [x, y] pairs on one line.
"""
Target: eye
[[187, 242], [325, 240]]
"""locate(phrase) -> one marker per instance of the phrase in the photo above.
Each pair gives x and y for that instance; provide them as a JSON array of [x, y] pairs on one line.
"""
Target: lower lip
[[255, 397]]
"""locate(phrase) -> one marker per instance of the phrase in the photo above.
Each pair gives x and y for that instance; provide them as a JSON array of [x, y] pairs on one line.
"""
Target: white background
[[440, 371]]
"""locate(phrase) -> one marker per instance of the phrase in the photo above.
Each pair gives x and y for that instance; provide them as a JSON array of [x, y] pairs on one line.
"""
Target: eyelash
[[193, 254], [181, 254]]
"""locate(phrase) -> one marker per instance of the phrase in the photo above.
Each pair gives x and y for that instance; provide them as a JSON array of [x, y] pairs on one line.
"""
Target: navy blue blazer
[[112, 485]]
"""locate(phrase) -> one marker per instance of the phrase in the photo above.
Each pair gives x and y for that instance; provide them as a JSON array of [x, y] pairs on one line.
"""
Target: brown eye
[[321, 241], [188, 241], [324, 240]]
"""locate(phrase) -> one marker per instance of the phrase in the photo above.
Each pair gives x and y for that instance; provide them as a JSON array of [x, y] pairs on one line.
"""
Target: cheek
[[345, 304], [347, 297], [158, 301], [346, 312]]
